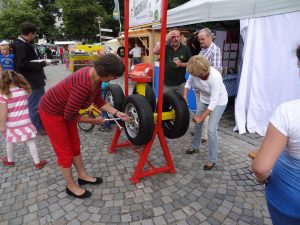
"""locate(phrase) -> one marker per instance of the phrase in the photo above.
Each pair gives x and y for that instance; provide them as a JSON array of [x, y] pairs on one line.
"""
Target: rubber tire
[[86, 126], [138, 107], [115, 96], [149, 95], [178, 127]]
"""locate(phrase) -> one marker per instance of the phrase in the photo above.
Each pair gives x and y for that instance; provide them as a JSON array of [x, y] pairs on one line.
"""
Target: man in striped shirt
[[209, 49]]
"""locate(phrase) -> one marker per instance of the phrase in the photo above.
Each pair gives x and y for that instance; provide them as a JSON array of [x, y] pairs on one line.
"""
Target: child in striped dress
[[15, 124]]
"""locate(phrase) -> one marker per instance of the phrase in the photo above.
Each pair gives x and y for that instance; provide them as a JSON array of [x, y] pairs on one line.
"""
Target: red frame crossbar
[[158, 130]]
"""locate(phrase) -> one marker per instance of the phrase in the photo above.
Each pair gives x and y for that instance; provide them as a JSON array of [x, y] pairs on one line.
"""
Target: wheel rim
[[169, 124], [85, 126], [109, 98], [132, 126]]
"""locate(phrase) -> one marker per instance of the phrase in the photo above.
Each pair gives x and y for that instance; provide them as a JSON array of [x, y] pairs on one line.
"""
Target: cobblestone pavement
[[227, 194]]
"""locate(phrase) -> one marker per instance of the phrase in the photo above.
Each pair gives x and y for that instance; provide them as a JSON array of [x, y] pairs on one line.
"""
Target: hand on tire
[[123, 116]]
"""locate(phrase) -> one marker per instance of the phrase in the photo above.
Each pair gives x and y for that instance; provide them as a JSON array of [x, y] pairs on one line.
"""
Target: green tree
[[40, 12], [78, 18], [48, 14], [12, 14], [174, 3], [109, 21]]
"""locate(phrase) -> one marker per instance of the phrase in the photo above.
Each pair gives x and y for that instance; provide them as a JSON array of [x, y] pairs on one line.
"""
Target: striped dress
[[18, 124]]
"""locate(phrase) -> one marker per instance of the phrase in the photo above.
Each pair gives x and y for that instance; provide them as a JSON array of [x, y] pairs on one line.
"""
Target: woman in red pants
[[59, 112]]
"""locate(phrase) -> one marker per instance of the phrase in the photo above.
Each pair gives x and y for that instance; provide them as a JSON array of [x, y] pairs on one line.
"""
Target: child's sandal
[[5, 162], [40, 165]]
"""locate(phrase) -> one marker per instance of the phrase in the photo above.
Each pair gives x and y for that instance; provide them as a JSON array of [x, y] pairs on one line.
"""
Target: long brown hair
[[10, 77]]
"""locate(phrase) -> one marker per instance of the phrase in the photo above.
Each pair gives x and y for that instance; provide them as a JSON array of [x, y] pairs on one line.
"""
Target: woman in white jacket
[[213, 101]]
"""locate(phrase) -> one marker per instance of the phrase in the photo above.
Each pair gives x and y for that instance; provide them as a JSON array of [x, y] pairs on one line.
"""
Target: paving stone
[[30, 217], [15, 221], [228, 194]]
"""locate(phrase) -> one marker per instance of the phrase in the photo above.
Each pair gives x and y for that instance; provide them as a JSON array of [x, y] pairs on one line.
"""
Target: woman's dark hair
[[27, 28], [298, 52], [193, 44], [109, 64], [120, 52]]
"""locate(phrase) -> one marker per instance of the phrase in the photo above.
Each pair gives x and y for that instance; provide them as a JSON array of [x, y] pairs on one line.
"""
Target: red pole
[[126, 28], [162, 60]]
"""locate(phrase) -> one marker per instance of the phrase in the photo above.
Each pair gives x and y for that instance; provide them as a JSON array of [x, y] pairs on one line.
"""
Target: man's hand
[[178, 63], [170, 35], [47, 62]]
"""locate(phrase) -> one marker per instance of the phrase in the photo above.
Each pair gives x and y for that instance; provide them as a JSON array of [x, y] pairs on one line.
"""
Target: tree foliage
[[175, 3], [12, 14], [48, 14], [77, 18]]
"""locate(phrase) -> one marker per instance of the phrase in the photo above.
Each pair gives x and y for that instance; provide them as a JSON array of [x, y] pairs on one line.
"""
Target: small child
[[6, 59], [105, 127], [15, 124]]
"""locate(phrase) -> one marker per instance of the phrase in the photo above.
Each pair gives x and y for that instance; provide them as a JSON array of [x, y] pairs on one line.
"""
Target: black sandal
[[207, 167], [83, 182], [86, 194]]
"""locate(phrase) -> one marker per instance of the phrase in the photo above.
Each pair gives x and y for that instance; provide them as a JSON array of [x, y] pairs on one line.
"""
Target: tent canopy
[[197, 11]]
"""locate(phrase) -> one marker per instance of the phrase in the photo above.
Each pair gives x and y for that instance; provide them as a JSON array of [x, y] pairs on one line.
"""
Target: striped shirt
[[18, 124], [72, 94], [213, 55]]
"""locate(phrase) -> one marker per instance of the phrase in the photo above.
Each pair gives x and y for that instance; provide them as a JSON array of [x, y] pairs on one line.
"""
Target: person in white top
[[136, 52], [277, 162], [213, 54], [213, 101]]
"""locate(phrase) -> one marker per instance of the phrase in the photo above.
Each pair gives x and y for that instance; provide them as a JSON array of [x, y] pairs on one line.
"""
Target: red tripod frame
[[158, 130]]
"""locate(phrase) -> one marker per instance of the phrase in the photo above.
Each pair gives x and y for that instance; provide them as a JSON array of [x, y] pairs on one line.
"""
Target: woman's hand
[[198, 119], [122, 116], [98, 120]]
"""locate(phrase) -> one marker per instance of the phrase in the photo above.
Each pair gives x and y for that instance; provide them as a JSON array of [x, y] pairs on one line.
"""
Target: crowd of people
[[26, 110]]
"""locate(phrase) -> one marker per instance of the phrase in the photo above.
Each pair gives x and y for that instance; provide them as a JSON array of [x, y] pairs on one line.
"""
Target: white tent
[[270, 31], [197, 11]]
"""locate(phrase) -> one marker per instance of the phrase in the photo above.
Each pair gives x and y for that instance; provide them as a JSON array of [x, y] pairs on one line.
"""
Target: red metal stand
[[158, 130]]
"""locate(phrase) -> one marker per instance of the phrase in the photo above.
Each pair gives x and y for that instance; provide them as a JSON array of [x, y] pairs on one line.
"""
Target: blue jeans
[[33, 104], [213, 122], [105, 116], [179, 88], [136, 60], [279, 218]]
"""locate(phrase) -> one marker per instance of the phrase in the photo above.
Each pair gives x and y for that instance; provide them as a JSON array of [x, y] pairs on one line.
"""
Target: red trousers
[[63, 136]]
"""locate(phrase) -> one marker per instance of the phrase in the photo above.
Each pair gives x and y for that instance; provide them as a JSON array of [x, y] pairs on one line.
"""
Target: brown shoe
[[207, 167], [203, 140], [191, 151]]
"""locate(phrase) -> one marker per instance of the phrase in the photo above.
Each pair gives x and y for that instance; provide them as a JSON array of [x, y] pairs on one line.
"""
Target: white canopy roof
[[197, 11], [65, 42]]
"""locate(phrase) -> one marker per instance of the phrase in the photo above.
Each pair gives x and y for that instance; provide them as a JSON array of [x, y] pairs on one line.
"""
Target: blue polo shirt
[[7, 62]]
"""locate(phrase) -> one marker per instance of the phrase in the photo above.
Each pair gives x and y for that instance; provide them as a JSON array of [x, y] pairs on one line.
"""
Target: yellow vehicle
[[84, 55], [92, 112]]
